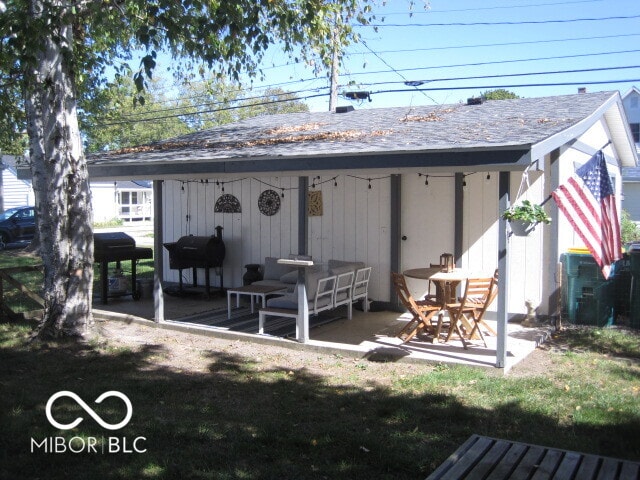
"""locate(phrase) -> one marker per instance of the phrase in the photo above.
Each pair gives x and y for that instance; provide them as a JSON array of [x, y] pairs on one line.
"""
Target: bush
[[629, 230]]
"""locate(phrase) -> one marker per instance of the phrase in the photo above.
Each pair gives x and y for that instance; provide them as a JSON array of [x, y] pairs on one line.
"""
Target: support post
[[158, 254], [503, 265]]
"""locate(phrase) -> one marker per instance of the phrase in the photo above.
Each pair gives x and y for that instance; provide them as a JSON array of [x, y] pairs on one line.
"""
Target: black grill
[[116, 247], [197, 252]]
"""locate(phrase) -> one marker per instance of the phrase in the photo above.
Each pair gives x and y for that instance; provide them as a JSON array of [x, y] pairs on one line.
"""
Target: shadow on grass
[[234, 422]]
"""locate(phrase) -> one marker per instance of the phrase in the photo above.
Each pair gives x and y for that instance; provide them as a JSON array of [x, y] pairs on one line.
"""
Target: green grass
[[245, 420]]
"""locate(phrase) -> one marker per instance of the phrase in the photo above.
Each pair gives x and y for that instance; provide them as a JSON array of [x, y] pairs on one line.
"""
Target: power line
[[496, 62], [471, 24], [522, 85], [505, 44], [510, 7]]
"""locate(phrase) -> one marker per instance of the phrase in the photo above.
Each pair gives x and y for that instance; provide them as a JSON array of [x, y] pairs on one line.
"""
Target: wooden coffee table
[[254, 291]]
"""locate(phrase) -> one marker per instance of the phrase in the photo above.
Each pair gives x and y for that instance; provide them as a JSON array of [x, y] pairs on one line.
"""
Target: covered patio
[[392, 188], [368, 335]]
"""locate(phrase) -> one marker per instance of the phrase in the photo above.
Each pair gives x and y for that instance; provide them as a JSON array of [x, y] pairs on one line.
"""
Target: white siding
[[103, 201], [249, 236], [15, 193], [354, 226]]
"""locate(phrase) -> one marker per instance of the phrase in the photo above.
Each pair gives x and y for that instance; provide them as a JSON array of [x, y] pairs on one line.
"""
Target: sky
[[457, 49]]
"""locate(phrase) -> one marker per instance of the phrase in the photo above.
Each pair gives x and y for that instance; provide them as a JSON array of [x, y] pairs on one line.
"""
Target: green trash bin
[[587, 298], [634, 308]]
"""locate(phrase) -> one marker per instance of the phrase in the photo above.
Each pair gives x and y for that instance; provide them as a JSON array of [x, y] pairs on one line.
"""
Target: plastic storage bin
[[587, 298], [634, 309]]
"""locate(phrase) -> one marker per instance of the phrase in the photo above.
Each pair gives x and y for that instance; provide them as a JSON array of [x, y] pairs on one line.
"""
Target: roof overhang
[[502, 159]]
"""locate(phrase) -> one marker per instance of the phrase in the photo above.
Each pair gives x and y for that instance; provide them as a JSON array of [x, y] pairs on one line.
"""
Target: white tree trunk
[[61, 181]]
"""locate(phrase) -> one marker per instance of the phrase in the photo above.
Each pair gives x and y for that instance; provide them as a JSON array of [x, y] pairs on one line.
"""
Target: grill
[[116, 247], [197, 252]]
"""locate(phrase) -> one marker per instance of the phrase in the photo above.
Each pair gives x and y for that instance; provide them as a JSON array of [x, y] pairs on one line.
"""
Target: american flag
[[587, 200]]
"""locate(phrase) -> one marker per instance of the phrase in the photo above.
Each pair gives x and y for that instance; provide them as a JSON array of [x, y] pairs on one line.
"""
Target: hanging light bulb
[[283, 193], [488, 176], [369, 183], [426, 179]]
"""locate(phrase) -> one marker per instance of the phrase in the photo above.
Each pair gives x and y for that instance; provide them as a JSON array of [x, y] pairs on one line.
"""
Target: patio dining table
[[446, 283]]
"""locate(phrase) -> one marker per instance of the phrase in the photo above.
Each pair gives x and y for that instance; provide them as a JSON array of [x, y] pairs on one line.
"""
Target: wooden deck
[[489, 458]]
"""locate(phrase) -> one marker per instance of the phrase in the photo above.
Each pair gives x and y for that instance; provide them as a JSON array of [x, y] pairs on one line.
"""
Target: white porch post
[[158, 258], [503, 265]]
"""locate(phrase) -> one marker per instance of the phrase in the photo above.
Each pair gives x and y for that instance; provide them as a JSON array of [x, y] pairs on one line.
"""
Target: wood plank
[[509, 462], [548, 464], [568, 466], [467, 462], [529, 463], [630, 471], [589, 467], [442, 471], [486, 458], [491, 458], [609, 469]]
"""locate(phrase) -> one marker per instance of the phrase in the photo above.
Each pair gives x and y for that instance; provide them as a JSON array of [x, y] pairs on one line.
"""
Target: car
[[17, 225]]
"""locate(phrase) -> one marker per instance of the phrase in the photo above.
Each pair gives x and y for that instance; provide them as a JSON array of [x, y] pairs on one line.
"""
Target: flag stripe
[[588, 203]]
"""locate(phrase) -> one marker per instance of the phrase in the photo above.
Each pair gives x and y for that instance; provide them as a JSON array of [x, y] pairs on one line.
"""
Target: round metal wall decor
[[227, 203], [269, 202]]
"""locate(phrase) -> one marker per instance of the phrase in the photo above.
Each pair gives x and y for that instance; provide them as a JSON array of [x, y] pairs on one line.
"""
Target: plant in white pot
[[524, 217]]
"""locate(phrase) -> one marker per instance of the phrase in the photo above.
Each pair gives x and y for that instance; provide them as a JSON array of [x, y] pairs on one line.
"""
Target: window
[[635, 131]]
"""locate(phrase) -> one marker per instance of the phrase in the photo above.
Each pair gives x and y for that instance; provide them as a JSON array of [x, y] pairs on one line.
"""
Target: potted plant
[[524, 217]]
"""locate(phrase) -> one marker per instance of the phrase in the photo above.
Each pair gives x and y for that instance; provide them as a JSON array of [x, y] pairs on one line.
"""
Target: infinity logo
[[89, 410]]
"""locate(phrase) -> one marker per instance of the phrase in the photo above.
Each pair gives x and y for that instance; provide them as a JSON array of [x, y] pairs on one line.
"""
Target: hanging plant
[[527, 212], [525, 216]]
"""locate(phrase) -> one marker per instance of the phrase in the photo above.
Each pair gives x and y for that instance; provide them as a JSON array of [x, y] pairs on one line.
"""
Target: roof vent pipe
[[345, 109], [582, 89]]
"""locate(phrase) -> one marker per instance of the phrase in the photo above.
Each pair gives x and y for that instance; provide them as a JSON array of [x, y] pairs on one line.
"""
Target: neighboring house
[[126, 200], [631, 176], [13, 192], [398, 187]]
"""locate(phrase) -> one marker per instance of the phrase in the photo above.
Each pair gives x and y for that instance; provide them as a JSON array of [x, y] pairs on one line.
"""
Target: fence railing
[[7, 279]]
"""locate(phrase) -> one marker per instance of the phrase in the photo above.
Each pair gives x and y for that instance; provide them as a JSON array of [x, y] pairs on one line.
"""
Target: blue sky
[[415, 48]]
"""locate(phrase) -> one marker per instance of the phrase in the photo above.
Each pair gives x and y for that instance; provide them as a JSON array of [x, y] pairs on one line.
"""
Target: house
[[631, 176], [393, 187], [13, 192], [124, 199]]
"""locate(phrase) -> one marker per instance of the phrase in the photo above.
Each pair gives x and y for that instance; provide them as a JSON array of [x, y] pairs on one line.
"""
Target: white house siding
[[631, 202], [427, 223], [103, 201], [354, 225], [249, 236], [15, 193]]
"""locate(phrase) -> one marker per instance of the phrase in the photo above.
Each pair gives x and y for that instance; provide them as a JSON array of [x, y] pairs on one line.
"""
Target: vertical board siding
[[354, 226], [249, 236], [427, 223]]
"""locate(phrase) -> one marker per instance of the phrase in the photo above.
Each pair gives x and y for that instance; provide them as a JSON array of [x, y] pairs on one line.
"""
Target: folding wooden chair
[[466, 315], [422, 311]]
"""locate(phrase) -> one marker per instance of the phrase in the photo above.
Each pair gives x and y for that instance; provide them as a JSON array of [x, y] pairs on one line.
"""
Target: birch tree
[[52, 51]]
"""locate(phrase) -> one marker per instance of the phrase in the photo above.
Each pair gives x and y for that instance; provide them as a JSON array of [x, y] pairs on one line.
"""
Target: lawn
[[215, 409]]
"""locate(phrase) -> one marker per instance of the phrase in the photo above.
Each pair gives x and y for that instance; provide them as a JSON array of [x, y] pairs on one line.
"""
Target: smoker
[[116, 247], [197, 252]]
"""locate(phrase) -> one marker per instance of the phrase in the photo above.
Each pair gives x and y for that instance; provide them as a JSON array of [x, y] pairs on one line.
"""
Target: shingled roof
[[496, 134]]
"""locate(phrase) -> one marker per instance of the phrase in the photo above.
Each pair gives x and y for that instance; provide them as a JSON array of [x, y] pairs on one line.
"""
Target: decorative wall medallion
[[269, 202], [314, 199], [227, 203]]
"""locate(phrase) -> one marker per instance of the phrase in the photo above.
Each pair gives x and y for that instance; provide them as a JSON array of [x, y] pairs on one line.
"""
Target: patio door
[[427, 222]]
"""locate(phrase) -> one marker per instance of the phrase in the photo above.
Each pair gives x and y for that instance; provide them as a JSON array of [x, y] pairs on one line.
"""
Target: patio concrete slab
[[368, 335]]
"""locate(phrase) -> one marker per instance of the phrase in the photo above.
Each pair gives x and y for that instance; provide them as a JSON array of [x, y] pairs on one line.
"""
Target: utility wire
[[471, 24], [510, 7]]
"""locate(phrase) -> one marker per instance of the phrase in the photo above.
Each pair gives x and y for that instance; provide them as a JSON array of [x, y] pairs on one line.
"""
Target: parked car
[[17, 225]]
